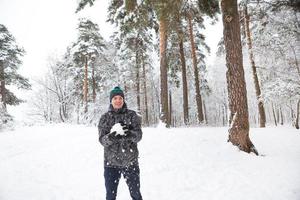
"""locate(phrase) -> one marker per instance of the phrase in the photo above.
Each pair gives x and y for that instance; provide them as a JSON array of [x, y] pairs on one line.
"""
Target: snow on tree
[[88, 46], [276, 41], [10, 54]]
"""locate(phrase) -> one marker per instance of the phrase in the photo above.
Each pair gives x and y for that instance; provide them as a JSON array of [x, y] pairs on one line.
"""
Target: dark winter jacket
[[120, 152]]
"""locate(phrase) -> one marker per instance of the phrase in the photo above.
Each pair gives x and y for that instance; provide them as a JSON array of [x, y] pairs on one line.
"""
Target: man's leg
[[112, 177], [132, 177]]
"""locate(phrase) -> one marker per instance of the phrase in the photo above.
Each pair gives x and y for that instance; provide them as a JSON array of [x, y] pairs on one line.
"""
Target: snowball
[[118, 128]]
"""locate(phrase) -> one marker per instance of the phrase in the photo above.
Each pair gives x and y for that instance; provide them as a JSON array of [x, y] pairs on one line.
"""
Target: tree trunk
[[274, 115], [170, 108], [125, 88], [224, 119], [225, 104], [137, 81], [60, 114], [2, 85], [281, 116], [153, 112], [278, 115], [85, 85], [183, 74], [65, 104], [145, 93], [184, 84], [237, 93], [261, 109], [78, 113], [94, 82], [163, 72], [292, 111], [296, 61], [196, 73], [297, 115], [205, 113], [243, 31]]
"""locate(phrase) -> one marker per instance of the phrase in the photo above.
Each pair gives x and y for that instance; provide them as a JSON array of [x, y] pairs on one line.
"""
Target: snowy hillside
[[65, 162]]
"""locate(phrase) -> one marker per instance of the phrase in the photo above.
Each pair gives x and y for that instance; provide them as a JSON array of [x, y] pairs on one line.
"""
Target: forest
[[161, 100], [254, 81]]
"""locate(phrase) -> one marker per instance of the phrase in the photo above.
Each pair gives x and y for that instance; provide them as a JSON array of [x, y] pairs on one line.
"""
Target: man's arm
[[103, 131], [135, 129]]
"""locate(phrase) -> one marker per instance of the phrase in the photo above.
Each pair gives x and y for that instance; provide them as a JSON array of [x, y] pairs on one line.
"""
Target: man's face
[[117, 102]]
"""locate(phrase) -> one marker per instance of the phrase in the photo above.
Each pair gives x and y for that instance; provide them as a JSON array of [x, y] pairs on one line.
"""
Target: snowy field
[[65, 162]]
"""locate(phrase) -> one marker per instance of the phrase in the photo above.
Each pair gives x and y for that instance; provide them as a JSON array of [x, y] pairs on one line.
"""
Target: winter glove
[[127, 131], [128, 135], [113, 136], [126, 128]]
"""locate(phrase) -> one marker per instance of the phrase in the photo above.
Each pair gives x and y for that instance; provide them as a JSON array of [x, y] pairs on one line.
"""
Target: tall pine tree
[[10, 60], [237, 93], [88, 46]]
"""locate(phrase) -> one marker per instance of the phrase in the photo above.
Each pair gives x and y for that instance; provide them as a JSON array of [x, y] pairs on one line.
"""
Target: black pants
[[132, 177]]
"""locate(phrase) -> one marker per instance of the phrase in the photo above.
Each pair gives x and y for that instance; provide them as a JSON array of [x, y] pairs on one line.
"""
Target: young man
[[119, 132]]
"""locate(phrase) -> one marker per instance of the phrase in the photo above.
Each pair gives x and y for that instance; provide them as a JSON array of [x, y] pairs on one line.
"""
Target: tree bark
[[225, 107], [196, 73], [237, 93], [85, 85], [163, 72], [261, 109]]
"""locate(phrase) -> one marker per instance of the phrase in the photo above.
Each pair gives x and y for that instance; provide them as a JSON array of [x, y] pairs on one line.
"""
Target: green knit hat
[[116, 91]]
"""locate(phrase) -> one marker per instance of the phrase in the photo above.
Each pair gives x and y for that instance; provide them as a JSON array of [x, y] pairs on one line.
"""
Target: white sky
[[46, 27]]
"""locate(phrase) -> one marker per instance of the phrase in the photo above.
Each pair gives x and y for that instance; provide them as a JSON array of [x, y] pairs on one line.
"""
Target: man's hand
[[126, 128], [114, 136]]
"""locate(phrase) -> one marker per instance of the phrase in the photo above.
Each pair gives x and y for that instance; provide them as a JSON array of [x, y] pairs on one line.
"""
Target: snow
[[66, 162], [118, 129]]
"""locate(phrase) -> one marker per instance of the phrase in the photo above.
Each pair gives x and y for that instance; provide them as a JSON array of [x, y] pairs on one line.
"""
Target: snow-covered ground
[[65, 162]]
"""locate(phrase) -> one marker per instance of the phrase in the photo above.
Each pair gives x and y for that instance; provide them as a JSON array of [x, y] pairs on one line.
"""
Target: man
[[119, 132]]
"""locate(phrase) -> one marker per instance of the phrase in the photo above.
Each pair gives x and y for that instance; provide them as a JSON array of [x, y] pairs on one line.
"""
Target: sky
[[44, 28]]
